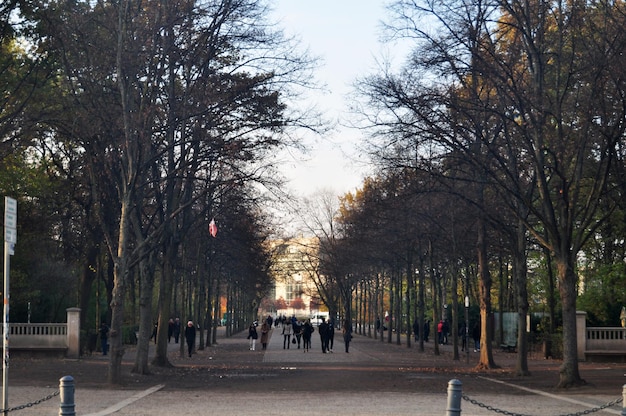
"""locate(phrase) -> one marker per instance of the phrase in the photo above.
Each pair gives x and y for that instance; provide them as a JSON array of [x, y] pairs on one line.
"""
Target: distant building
[[295, 270]]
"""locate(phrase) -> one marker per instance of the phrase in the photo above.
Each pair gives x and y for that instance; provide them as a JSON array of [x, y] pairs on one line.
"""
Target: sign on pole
[[10, 239]]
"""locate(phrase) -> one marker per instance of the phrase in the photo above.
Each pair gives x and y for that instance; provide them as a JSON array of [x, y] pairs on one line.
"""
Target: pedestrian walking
[[252, 335], [416, 329], [190, 337], [265, 333], [307, 332], [176, 330], [323, 330], [476, 336], [170, 330], [297, 332], [440, 332], [331, 334], [347, 334], [287, 330]]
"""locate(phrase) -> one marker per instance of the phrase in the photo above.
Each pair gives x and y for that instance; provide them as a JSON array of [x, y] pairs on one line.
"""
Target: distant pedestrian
[[307, 331], [190, 337], [170, 330], [463, 335], [104, 337], [347, 334], [476, 336], [440, 332], [416, 329], [176, 329], [297, 332], [287, 330], [323, 330], [426, 330], [155, 328], [265, 333], [331, 334], [252, 335]]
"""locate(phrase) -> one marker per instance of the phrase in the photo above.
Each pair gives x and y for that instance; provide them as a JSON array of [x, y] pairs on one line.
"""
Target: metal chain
[[31, 404], [505, 412]]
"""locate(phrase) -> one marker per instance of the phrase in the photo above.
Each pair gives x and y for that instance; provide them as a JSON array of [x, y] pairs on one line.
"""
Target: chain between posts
[[31, 404], [506, 412]]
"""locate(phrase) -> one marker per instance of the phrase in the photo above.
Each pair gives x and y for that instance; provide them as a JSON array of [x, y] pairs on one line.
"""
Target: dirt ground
[[371, 365]]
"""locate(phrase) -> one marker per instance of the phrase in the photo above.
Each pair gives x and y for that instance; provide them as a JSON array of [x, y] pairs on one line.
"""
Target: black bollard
[[454, 398], [66, 389]]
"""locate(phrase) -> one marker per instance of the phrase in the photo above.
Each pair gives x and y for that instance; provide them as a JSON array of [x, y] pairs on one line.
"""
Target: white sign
[[10, 220], [10, 235]]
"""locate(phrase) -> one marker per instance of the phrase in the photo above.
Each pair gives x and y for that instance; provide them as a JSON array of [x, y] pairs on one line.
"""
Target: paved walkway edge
[[552, 396], [130, 400]]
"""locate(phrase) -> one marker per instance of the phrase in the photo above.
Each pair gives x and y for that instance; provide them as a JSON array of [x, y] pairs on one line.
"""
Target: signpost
[[10, 239]]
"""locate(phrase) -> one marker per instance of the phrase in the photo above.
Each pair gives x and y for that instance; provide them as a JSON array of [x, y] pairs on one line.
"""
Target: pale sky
[[344, 34]]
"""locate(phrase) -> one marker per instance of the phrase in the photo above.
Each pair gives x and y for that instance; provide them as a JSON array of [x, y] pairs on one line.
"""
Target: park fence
[[455, 396], [453, 407]]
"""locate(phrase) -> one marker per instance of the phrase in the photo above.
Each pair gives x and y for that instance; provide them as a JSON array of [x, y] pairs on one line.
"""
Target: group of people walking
[[298, 333]]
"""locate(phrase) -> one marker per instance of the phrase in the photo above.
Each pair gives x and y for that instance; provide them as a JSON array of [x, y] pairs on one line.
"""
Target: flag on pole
[[213, 228]]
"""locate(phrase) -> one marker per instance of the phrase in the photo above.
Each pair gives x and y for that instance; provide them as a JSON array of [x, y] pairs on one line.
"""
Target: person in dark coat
[[347, 334], [297, 332], [190, 336], [416, 329], [331, 335], [426, 330], [476, 336], [462, 334], [252, 335], [176, 330], [170, 329], [323, 330], [307, 331]]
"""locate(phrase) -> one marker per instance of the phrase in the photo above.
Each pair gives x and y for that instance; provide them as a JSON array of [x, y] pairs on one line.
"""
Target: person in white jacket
[[287, 331]]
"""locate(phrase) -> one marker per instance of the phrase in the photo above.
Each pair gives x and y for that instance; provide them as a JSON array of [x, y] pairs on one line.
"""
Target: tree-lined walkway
[[375, 378]]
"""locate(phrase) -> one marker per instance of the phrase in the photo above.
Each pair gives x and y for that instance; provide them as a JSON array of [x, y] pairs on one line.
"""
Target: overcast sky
[[344, 33]]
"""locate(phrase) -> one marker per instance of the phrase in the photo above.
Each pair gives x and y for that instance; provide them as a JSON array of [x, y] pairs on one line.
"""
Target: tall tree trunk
[[485, 282], [120, 274], [165, 296], [421, 302], [146, 279], [520, 271], [569, 375]]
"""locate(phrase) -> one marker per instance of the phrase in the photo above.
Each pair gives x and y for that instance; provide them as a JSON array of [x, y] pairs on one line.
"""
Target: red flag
[[213, 228]]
